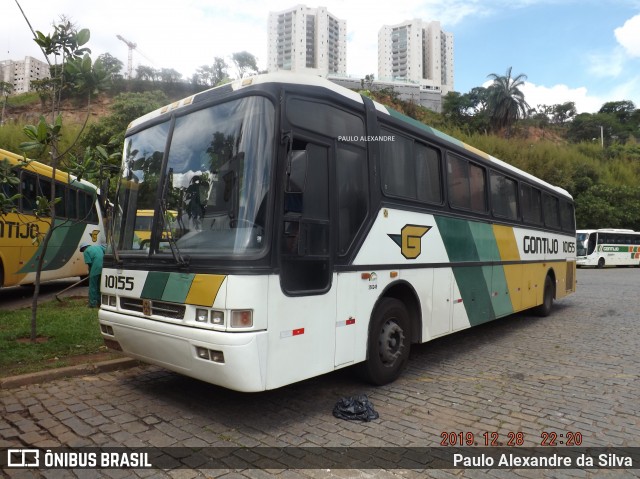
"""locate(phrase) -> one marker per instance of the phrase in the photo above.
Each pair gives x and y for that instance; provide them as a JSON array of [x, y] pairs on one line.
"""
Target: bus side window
[[531, 204], [86, 208], [567, 217], [296, 179], [352, 185], [61, 205], [504, 196], [29, 190], [466, 184], [550, 208], [10, 190], [72, 204]]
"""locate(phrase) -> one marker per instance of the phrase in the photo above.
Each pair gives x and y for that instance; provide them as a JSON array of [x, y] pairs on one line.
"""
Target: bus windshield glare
[[209, 189], [582, 244]]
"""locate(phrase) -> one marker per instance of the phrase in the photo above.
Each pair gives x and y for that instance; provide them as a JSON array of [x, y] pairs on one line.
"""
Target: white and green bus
[[608, 247], [317, 229], [78, 220]]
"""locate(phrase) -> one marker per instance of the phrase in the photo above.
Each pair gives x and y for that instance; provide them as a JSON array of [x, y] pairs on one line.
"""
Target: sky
[[585, 51]]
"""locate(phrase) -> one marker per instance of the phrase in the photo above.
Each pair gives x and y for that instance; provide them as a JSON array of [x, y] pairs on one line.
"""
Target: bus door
[[307, 305], [448, 313]]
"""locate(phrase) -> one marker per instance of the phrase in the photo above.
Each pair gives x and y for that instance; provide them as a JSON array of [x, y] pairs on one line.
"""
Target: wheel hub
[[391, 342]]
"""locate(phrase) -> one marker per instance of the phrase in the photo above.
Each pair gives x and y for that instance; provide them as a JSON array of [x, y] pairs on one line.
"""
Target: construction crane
[[132, 46]]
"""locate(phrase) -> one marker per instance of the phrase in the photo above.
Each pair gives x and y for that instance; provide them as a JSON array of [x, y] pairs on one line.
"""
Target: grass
[[67, 332]]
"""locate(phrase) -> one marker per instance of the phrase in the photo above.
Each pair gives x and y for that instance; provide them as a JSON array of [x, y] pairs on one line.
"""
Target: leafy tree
[[367, 81], [564, 112], [479, 98], [5, 90], [587, 127], [110, 64], [144, 72], [169, 75], [72, 70], [613, 206], [245, 63], [44, 88], [126, 107], [219, 71], [456, 107], [211, 75], [622, 110], [505, 100], [467, 110], [65, 44]]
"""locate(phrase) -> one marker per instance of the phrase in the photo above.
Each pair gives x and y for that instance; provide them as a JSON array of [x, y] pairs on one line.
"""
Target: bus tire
[[544, 309], [601, 263], [389, 342]]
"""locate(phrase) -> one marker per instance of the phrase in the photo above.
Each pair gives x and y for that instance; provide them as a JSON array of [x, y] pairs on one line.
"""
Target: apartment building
[[20, 73], [307, 40], [416, 51]]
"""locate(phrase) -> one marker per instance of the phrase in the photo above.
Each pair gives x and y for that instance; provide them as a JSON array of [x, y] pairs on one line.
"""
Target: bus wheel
[[601, 263], [544, 309], [389, 342]]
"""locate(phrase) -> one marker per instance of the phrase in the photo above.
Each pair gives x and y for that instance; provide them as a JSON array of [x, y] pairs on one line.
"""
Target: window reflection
[[216, 183]]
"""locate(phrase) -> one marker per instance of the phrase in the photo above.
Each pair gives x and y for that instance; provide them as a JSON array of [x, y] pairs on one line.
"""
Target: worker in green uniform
[[93, 256]]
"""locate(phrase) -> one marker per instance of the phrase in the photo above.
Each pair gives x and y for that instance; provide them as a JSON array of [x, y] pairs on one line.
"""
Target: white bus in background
[[608, 247]]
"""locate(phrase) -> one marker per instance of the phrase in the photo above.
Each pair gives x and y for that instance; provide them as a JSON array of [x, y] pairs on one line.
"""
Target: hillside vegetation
[[603, 180]]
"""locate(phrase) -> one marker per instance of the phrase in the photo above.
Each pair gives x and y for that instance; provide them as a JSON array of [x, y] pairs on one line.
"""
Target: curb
[[68, 372]]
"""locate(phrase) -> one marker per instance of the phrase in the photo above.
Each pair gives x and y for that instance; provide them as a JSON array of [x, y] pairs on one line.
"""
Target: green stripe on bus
[[458, 239], [64, 242], [154, 285], [485, 241], [483, 289], [177, 287], [500, 298], [475, 293], [496, 281]]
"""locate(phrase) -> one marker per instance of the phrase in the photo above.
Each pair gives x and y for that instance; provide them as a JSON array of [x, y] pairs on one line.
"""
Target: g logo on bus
[[146, 307], [409, 240]]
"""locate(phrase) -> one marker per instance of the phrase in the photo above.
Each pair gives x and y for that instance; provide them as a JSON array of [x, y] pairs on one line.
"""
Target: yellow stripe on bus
[[204, 289], [507, 244], [508, 248]]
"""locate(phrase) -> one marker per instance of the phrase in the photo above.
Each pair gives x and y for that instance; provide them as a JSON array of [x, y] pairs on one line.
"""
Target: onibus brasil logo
[[409, 240]]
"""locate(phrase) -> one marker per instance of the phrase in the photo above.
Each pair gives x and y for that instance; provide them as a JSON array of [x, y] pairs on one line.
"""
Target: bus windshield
[[582, 244], [211, 194]]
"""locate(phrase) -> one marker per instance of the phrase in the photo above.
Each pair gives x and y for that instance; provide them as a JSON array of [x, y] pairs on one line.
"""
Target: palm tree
[[505, 100]]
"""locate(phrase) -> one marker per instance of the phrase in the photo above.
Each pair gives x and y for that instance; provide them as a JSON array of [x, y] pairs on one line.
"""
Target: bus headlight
[[217, 318], [241, 318], [109, 300], [202, 315]]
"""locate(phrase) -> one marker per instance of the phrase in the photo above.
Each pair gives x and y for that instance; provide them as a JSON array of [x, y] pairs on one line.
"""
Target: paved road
[[575, 371], [17, 297]]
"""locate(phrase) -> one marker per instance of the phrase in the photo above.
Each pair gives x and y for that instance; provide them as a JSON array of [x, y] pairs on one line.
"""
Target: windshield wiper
[[173, 246]]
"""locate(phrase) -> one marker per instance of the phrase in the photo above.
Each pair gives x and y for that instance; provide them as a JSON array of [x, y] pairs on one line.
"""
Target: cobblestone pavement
[[576, 370]]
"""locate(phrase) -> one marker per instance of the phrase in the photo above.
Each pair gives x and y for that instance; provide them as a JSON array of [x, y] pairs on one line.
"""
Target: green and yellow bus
[[318, 229], [78, 220]]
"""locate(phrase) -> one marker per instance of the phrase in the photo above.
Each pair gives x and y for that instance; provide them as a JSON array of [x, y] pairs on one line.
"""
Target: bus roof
[[320, 82], [46, 170], [607, 230]]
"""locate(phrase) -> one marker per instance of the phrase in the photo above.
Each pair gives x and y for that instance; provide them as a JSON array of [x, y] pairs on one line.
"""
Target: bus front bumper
[[232, 360]]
